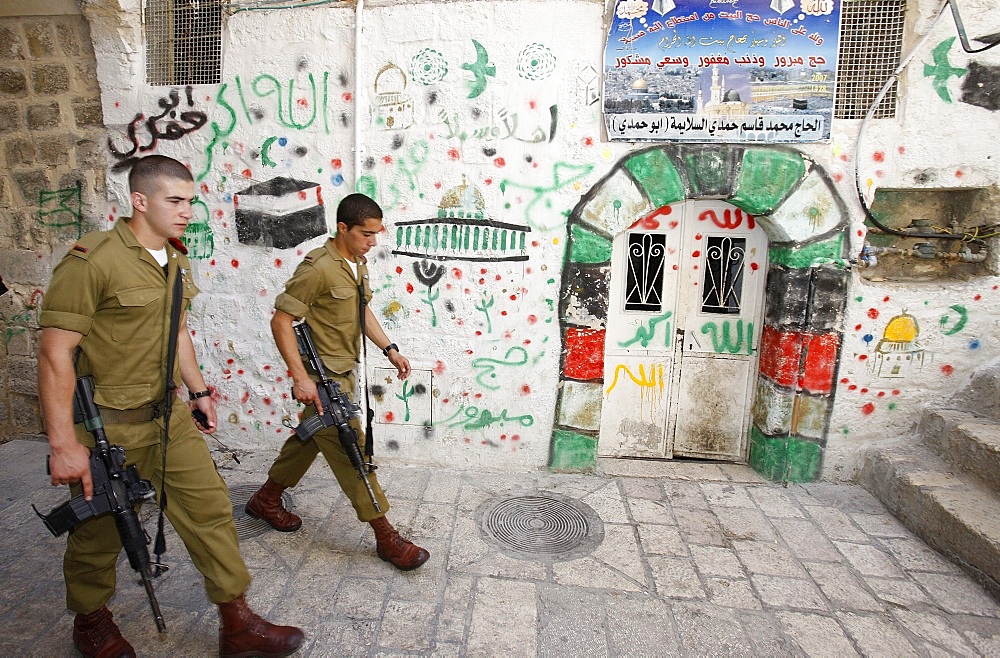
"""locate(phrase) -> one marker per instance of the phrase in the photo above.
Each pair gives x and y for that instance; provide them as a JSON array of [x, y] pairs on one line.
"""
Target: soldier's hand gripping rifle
[[117, 489], [337, 410]]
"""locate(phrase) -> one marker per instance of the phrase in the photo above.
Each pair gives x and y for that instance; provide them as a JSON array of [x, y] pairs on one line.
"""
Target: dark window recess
[[644, 274], [722, 286], [183, 42], [871, 42]]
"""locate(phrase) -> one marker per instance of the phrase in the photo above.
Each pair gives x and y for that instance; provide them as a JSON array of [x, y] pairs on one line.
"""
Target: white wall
[[492, 382]]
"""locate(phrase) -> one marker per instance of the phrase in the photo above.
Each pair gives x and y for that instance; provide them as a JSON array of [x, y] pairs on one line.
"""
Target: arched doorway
[[795, 203], [686, 293]]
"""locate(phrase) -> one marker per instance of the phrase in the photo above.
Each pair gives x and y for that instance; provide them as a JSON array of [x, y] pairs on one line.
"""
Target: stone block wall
[[52, 171]]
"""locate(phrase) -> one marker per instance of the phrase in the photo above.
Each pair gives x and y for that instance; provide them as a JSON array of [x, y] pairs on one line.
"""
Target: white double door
[[684, 321]]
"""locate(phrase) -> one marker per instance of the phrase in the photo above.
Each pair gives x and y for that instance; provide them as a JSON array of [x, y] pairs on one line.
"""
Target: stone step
[[981, 395], [969, 443], [952, 512]]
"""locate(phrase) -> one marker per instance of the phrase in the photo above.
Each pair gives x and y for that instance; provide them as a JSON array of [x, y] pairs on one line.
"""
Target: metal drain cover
[[250, 526], [540, 527]]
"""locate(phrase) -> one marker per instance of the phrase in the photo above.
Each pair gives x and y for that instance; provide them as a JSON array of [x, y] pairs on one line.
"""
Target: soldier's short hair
[[355, 208], [146, 171]]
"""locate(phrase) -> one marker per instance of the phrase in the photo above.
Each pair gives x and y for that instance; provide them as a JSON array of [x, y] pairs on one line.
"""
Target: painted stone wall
[[481, 137], [52, 173]]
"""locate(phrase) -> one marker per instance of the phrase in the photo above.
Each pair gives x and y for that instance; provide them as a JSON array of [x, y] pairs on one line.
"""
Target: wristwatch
[[200, 394], [390, 346]]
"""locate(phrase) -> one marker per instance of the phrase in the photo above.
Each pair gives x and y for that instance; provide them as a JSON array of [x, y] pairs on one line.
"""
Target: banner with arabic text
[[721, 70]]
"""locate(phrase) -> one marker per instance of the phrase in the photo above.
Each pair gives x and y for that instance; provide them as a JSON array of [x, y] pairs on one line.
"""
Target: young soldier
[[325, 291], [106, 314]]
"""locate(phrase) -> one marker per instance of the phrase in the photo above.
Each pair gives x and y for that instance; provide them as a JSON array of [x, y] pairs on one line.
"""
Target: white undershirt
[[354, 268], [160, 255]]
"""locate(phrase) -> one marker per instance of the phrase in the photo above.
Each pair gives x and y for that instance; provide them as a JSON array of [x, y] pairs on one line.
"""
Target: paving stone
[[784, 593], [869, 560], [841, 587], [744, 524], [817, 635], [513, 602], [880, 525], [806, 540], [876, 635], [791, 595]]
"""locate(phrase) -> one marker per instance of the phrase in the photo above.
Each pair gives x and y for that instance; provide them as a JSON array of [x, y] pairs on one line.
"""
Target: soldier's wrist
[[194, 395], [390, 347]]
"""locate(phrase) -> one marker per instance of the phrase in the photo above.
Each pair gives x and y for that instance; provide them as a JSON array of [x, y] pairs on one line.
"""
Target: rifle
[[337, 410], [117, 489]]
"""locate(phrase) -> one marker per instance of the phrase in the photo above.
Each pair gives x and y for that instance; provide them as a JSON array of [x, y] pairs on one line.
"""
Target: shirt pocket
[[138, 311], [123, 396]]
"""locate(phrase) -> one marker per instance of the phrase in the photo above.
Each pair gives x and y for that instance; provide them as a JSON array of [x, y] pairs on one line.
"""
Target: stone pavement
[[674, 558]]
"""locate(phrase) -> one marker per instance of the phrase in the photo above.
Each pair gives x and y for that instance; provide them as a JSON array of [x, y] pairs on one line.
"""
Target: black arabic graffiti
[[177, 125]]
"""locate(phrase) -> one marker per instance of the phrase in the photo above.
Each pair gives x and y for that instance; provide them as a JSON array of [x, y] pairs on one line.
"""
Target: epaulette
[[315, 254], [86, 245]]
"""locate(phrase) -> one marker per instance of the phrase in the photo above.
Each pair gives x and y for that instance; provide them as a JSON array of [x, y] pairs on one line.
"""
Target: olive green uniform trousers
[[198, 507], [296, 457]]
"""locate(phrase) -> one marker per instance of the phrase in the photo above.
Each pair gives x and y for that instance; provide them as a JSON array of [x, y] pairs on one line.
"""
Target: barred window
[[183, 42], [871, 41]]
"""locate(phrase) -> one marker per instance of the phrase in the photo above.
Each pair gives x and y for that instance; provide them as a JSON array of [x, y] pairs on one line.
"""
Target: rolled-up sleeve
[[72, 297], [305, 286]]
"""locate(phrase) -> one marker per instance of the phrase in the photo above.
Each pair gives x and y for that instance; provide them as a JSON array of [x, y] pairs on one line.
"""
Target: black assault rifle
[[117, 489], [337, 410]]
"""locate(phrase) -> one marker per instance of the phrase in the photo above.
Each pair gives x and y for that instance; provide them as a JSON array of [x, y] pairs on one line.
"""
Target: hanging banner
[[721, 70]]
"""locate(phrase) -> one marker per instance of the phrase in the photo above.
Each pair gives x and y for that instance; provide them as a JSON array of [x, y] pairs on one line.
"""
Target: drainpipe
[[358, 8]]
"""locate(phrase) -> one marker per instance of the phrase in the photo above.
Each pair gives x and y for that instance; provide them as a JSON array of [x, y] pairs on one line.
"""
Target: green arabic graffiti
[[487, 377], [474, 418], [563, 175], [644, 334], [727, 341], [963, 318]]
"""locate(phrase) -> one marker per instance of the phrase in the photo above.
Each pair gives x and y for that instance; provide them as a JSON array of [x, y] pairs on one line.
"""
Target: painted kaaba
[[279, 213]]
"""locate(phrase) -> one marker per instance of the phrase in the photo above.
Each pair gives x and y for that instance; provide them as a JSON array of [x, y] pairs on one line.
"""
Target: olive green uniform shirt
[[324, 292], [109, 288]]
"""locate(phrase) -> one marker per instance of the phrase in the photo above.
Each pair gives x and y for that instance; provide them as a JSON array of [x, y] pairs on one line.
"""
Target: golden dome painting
[[899, 353]]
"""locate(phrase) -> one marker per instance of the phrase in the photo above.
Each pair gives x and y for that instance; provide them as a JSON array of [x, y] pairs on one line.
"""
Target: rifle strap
[[369, 438], [176, 297]]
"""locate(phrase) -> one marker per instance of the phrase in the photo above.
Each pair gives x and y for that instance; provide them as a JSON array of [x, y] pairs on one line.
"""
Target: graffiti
[[982, 86], [515, 356], [726, 341], [428, 66], [564, 174], [474, 418], [644, 334], [266, 85], [731, 218], [899, 352], [588, 85], [405, 397], [177, 126], [279, 213], [17, 325], [219, 134], [198, 237], [403, 177], [395, 106], [963, 318], [429, 274], [66, 201], [479, 69], [655, 380], [484, 308], [941, 70], [265, 151], [509, 130], [535, 62]]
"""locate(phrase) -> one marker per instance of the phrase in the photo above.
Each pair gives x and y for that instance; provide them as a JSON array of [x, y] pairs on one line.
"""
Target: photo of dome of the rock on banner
[[721, 70]]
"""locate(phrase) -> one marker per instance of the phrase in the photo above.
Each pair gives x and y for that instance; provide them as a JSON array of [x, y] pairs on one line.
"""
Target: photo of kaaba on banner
[[721, 70]]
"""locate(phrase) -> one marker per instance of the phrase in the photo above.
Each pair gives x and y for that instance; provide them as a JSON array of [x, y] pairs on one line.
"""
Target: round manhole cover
[[541, 526], [250, 526]]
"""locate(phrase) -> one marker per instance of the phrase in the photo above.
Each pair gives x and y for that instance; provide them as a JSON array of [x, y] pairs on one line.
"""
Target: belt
[[140, 415]]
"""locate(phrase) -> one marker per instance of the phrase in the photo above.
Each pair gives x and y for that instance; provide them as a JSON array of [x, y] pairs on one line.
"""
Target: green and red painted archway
[[806, 222]]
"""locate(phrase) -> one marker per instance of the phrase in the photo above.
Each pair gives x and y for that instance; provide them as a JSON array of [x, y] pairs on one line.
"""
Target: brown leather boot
[[97, 636], [391, 547], [243, 633], [266, 504]]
